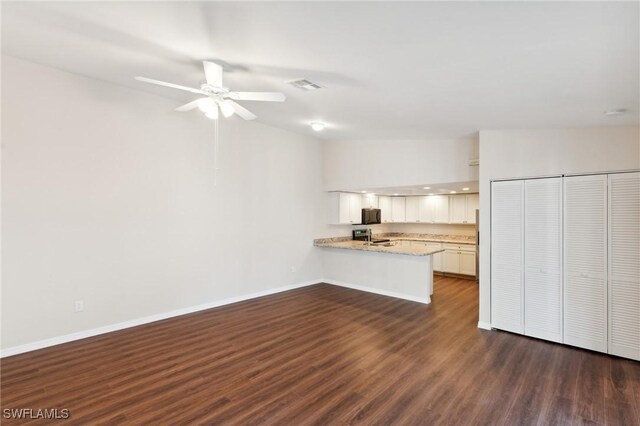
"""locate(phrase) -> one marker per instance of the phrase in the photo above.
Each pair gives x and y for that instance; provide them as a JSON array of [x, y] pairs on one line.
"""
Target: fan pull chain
[[215, 153]]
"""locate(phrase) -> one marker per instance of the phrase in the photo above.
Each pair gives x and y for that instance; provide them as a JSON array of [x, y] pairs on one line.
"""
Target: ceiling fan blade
[[239, 109], [175, 86], [258, 96], [191, 105], [213, 72]]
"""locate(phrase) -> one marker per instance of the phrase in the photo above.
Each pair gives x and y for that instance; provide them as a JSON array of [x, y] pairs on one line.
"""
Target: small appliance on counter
[[365, 235], [371, 216]]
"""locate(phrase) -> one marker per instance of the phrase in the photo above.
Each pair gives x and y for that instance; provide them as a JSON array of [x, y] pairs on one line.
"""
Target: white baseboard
[[484, 325], [425, 300], [28, 347]]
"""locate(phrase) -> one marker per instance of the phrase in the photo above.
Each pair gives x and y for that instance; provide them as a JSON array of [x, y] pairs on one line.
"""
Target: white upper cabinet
[[542, 259], [412, 209], [345, 208], [370, 201], [624, 265], [384, 204], [507, 250], [441, 208], [355, 208], [427, 209], [435, 209], [585, 262], [458, 208], [462, 208], [473, 204], [398, 209]]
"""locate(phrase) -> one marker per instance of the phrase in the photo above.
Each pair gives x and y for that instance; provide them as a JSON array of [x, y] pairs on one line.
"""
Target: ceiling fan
[[218, 97]]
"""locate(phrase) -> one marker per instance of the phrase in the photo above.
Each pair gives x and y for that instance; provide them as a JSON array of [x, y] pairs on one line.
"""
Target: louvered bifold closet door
[[507, 227], [585, 262], [624, 265], [543, 259]]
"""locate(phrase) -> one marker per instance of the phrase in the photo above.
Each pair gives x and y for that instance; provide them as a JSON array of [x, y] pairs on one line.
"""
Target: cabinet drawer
[[459, 247]]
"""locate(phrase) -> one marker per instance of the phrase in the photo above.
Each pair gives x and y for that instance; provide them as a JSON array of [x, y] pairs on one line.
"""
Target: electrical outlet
[[79, 305], [293, 269]]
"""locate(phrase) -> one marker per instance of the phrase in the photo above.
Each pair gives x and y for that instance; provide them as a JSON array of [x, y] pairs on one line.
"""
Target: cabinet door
[[412, 213], [543, 259], [457, 208], [355, 208], [427, 209], [507, 244], [473, 203], [384, 204], [437, 258], [369, 201], [585, 262], [345, 212], [624, 265], [441, 209], [468, 263], [398, 207], [451, 261]]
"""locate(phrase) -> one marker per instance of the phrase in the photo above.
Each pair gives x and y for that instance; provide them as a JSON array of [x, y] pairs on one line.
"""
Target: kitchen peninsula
[[401, 268]]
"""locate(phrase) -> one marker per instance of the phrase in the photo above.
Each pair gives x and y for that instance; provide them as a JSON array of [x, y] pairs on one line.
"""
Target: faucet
[[369, 236]]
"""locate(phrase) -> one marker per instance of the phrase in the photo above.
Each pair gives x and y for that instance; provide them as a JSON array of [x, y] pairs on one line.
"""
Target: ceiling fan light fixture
[[206, 105], [226, 108], [317, 126], [213, 113]]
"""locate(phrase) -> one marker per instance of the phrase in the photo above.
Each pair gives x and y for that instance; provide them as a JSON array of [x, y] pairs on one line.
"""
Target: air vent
[[303, 84]]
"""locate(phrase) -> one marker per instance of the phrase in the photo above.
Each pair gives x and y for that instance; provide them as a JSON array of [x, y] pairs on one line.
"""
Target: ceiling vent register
[[305, 85]]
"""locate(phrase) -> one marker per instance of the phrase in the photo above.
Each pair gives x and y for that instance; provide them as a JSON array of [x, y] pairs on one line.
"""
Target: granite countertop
[[393, 248], [395, 236]]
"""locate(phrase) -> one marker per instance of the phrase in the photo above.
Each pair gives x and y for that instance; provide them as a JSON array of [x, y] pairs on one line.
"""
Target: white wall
[[108, 196], [360, 164], [527, 153]]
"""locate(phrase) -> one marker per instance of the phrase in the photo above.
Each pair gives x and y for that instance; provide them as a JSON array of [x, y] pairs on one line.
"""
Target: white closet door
[[585, 262], [624, 265], [507, 235], [543, 259]]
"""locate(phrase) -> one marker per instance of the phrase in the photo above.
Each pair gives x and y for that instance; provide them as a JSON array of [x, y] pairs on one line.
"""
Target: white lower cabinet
[[468, 263], [459, 259], [437, 258]]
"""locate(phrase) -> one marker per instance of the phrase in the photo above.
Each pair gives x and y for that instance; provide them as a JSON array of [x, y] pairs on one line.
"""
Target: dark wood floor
[[326, 355]]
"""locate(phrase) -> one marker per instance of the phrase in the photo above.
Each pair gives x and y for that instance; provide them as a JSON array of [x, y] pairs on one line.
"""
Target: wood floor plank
[[325, 355]]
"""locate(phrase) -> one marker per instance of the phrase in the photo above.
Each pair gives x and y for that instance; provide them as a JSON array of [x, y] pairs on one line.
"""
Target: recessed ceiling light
[[427, 187], [364, 192], [396, 194], [431, 193], [317, 126], [465, 189], [452, 192], [612, 112]]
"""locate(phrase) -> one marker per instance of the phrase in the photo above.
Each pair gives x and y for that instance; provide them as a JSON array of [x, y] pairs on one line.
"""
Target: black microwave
[[371, 216]]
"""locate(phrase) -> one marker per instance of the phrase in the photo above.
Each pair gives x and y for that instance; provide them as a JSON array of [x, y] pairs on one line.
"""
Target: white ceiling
[[391, 70]]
